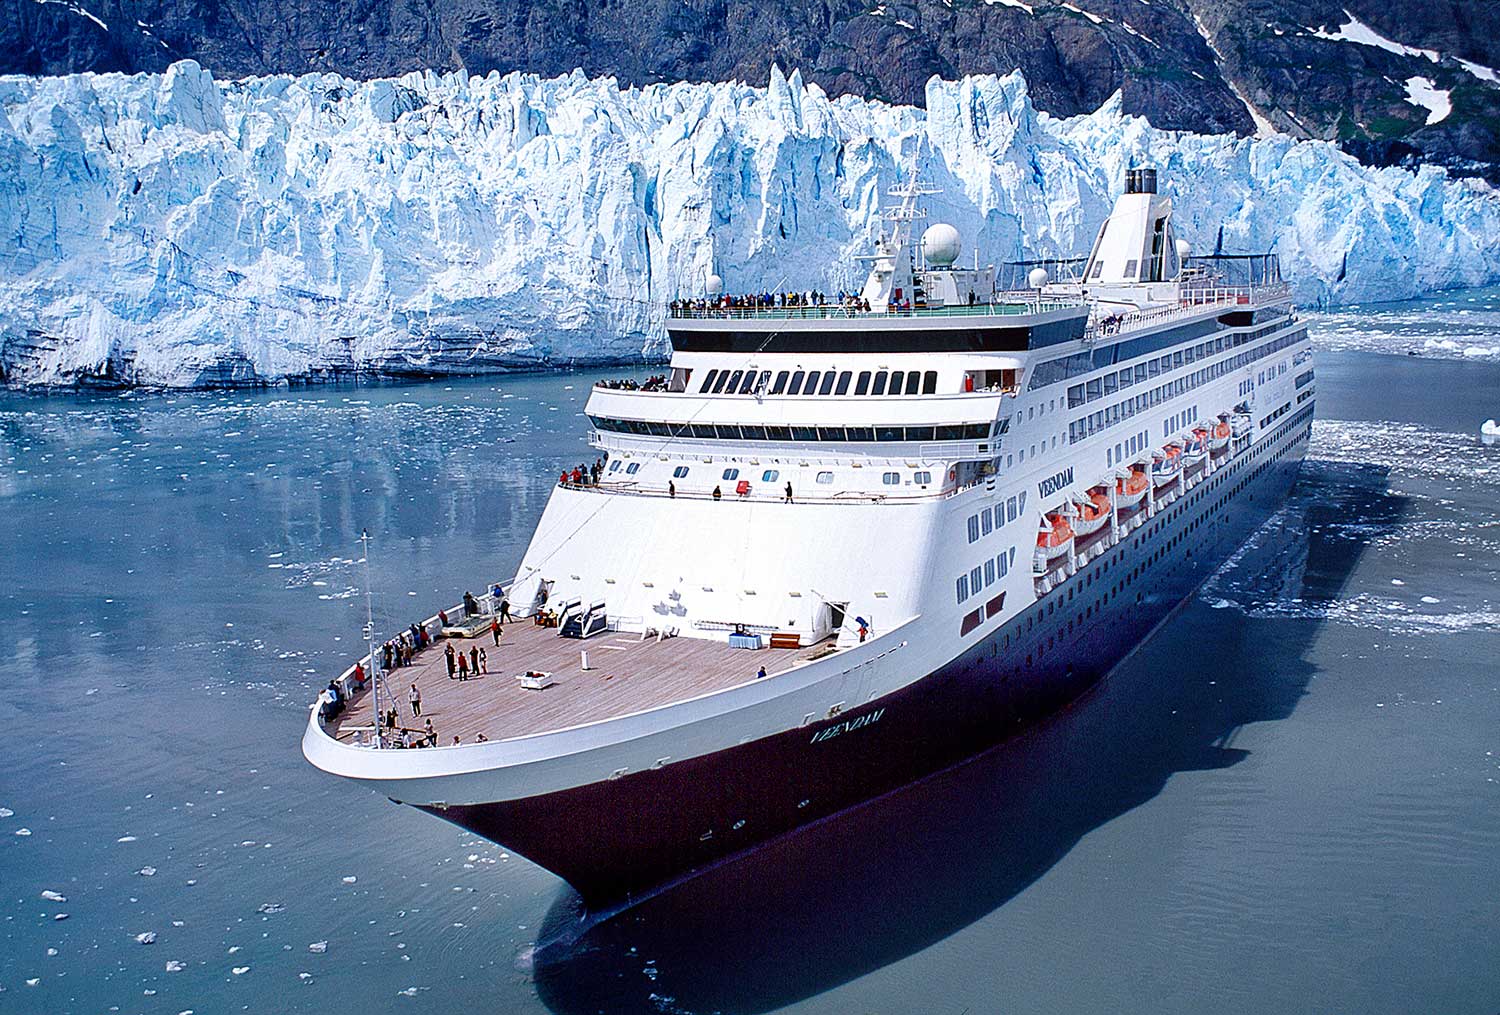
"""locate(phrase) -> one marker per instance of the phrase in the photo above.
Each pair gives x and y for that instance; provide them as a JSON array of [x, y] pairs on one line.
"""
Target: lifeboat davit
[[1092, 513], [1218, 437], [1055, 539], [1130, 492], [1166, 464]]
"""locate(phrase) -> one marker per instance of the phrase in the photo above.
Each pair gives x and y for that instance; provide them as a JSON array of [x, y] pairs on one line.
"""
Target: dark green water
[[1288, 801]]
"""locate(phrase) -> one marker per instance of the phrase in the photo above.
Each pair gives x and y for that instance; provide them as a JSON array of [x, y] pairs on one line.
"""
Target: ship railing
[[1190, 301], [1021, 304]]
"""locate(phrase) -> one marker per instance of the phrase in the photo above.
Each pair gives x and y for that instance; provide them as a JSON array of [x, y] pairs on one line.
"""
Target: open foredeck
[[626, 674]]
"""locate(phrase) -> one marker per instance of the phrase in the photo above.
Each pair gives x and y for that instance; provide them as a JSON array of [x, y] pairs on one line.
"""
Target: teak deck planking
[[625, 675]]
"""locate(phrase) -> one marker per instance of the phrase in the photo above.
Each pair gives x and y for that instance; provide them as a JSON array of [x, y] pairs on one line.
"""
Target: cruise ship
[[844, 541]]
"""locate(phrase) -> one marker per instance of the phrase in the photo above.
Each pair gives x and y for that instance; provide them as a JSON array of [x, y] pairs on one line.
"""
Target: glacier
[[174, 230]]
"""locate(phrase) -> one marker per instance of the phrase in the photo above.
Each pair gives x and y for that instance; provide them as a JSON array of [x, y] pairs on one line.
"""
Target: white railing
[[1192, 301]]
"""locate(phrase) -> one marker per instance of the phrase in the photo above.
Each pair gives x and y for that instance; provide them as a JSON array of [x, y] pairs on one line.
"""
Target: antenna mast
[[364, 539]]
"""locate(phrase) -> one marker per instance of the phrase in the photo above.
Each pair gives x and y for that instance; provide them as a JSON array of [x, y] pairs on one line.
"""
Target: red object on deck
[[742, 488]]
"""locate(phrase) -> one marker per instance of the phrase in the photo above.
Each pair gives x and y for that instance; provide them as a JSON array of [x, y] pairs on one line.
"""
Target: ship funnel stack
[[1136, 243]]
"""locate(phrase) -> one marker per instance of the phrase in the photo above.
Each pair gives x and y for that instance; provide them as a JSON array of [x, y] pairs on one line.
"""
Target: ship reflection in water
[[867, 888]]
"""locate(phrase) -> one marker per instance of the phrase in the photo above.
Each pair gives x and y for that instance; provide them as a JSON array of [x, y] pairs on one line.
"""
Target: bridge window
[[929, 383], [860, 433], [897, 376], [843, 385], [830, 433], [708, 380], [862, 383], [804, 433], [913, 382], [780, 383], [828, 379], [796, 384], [879, 388], [811, 387], [748, 385], [734, 380]]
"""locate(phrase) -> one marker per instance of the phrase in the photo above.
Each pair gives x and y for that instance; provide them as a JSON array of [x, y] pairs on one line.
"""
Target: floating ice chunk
[[233, 949], [1431, 599], [241, 970], [52, 896], [126, 838], [6, 812], [60, 916], [174, 966], [318, 947], [1397, 581], [304, 976], [146, 938], [350, 879], [23, 832], [33, 981], [408, 992], [147, 872], [271, 907]]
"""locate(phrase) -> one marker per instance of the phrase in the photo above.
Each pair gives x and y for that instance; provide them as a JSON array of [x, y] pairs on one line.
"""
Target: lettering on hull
[[847, 726], [1052, 484]]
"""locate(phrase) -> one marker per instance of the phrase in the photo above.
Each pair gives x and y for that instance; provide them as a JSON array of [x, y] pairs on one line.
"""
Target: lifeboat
[[1195, 448], [1240, 424], [1093, 513], [1166, 464], [1055, 538], [1129, 492], [1218, 437]]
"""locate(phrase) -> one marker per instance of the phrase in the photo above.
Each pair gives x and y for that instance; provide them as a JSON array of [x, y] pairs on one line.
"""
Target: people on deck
[[414, 696], [495, 625], [484, 662], [760, 673], [431, 733], [474, 659], [471, 605], [788, 492], [717, 493], [463, 666], [504, 615], [452, 661]]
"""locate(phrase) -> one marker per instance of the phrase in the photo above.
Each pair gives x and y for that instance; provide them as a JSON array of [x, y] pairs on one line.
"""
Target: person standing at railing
[[788, 492], [414, 696]]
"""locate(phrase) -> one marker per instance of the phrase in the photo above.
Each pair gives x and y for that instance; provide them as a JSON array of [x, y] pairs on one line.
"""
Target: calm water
[[1288, 801]]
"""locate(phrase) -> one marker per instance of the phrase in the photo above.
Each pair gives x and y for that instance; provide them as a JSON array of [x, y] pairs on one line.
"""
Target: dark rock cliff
[[1204, 65]]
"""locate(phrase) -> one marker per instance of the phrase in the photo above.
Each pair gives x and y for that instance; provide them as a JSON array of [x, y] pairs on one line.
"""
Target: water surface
[[1289, 800]]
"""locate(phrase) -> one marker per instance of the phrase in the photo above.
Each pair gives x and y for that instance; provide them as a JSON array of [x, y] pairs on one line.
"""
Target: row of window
[[1091, 424], [749, 432], [1104, 356], [1128, 448], [1268, 420], [820, 382], [920, 478], [994, 518], [1304, 378], [985, 575], [1178, 420]]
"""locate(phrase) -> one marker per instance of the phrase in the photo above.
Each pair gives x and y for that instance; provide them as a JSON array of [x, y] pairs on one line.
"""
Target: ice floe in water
[[146, 938], [52, 896], [318, 947]]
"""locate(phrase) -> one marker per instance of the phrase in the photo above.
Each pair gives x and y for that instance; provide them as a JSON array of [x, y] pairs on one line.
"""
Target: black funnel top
[[1140, 181]]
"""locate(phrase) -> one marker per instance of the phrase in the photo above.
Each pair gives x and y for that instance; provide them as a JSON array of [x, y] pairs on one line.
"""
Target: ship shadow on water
[[866, 888]]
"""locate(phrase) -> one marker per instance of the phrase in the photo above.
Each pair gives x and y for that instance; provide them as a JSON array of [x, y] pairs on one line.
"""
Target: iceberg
[[176, 230]]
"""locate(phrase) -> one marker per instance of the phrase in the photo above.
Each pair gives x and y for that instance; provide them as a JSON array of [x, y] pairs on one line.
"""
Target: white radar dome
[[941, 244], [1038, 277], [715, 285], [1184, 250]]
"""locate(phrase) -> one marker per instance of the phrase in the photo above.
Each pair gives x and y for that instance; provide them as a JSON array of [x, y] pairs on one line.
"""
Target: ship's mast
[[891, 264], [364, 539]]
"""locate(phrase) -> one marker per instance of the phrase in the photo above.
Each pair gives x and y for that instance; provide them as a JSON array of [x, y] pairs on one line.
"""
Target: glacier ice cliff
[[176, 230]]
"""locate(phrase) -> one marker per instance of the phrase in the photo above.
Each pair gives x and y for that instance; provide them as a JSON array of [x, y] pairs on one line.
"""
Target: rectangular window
[[779, 385], [890, 478], [830, 433], [804, 433], [748, 384], [829, 377], [1003, 563], [1075, 396], [973, 528], [986, 522], [708, 380], [976, 579], [859, 433], [769, 476], [897, 377], [879, 388], [811, 387], [962, 587], [796, 384], [862, 383], [929, 382], [989, 573]]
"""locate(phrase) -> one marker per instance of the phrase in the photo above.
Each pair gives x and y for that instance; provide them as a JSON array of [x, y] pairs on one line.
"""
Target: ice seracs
[[173, 229]]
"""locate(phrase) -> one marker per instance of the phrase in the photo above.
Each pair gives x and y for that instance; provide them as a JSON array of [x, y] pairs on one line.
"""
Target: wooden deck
[[625, 675]]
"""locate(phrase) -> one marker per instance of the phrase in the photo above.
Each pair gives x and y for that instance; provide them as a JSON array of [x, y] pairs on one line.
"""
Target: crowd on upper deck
[[749, 303], [656, 382]]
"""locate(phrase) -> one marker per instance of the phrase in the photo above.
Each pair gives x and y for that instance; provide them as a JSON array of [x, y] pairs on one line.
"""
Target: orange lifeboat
[[1055, 538], [1166, 465], [1129, 492], [1092, 513], [1218, 437]]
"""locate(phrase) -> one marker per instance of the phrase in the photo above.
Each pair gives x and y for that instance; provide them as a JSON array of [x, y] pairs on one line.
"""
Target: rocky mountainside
[[1390, 80]]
